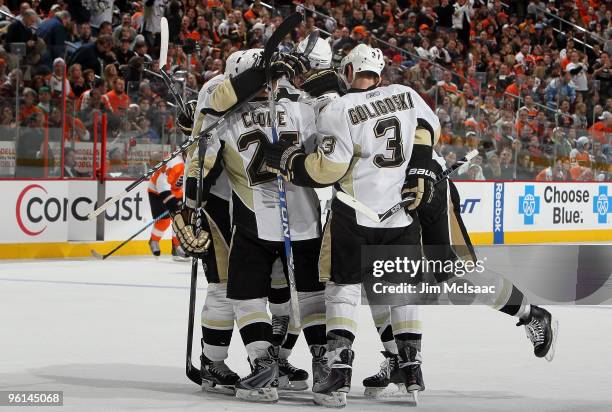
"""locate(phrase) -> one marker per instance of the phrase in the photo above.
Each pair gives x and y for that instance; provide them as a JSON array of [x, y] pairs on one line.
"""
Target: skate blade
[[181, 259], [332, 400], [208, 386], [393, 390], [284, 384], [551, 351], [258, 395], [415, 396]]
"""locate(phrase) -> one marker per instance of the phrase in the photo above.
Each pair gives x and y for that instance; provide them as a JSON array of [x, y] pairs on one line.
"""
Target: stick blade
[[97, 255], [312, 41], [193, 373], [165, 35], [471, 154], [286, 27], [106, 205], [357, 205]]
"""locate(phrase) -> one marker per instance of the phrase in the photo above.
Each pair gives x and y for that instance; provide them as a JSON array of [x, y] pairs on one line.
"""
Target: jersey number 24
[[256, 170]]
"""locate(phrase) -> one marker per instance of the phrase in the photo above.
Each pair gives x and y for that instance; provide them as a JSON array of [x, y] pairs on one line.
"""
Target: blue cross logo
[[601, 204], [529, 205]]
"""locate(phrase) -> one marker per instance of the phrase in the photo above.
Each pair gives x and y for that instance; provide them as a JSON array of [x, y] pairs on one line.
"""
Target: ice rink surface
[[111, 335]]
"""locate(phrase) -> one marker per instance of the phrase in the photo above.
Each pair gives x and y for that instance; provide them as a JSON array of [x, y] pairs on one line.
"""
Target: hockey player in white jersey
[[217, 318], [217, 314], [257, 236], [445, 238], [321, 85], [371, 145]]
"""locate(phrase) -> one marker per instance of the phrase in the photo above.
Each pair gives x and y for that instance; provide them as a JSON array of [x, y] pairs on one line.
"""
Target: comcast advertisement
[[56, 211]]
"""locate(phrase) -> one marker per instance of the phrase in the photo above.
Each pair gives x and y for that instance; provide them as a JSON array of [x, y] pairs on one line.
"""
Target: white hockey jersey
[[221, 188], [372, 132], [255, 203]]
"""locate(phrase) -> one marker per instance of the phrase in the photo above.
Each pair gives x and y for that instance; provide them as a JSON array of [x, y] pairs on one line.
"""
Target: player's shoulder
[[339, 103], [397, 88], [175, 161], [211, 84], [296, 106]]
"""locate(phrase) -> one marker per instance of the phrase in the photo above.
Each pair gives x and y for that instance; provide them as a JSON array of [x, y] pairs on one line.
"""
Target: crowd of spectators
[[531, 92]]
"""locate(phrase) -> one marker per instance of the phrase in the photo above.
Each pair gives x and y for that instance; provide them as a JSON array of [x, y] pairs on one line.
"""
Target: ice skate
[[542, 331], [260, 385], [410, 369], [217, 377], [154, 246], [179, 255], [332, 389], [320, 368], [388, 381], [291, 378]]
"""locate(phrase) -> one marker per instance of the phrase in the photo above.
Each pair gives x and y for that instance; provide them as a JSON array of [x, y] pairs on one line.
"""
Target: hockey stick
[[193, 373], [381, 217], [164, 42], [163, 59], [187, 143], [152, 222], [282, 194]]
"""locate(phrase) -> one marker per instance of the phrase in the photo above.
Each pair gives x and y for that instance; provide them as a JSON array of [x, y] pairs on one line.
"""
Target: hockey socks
[[254, 324], [514, 301], [217, 322]]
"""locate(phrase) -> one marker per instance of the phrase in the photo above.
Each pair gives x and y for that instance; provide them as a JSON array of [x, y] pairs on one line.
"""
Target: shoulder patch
[[328, 144]]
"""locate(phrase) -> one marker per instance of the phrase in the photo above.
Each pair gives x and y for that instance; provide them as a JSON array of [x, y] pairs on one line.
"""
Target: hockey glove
[[185, 120], [184, 224], [419, 184], [288, 65], [280, 155], [172, 204]]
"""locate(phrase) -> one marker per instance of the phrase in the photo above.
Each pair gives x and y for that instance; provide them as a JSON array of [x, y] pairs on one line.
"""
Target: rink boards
[[48, 218]]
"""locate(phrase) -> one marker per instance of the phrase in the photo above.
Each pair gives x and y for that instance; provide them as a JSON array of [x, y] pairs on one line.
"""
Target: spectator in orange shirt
[[580, 173], [553, 173], [581, 153], [532, 110], [523, 123], [446, 136], [602, 130], [513, 89], [253, 12], [447, 83], [117, 99], [28, 108], [186, 32]]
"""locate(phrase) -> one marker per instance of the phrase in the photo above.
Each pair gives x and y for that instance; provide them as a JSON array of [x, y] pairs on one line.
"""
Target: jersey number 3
[[256, 170], [394, 143]]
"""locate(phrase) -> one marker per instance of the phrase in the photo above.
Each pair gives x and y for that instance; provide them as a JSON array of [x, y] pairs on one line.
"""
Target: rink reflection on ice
[[111, 335]]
